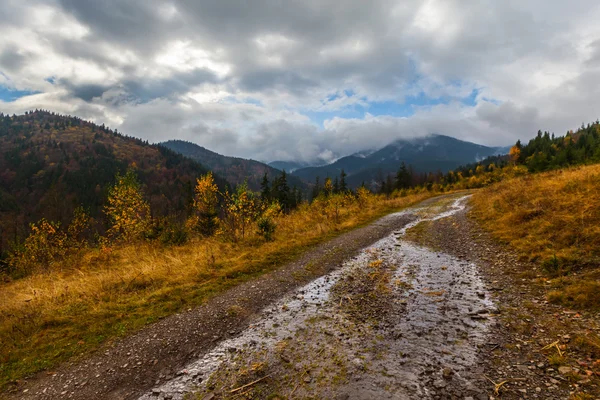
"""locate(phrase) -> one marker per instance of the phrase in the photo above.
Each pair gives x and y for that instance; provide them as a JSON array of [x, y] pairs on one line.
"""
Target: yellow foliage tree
[[266, 221], [205, 204], [127, 210], [328, 187], [363, 195], [45, 245], [514, 154], [242, 208], [78, 227]]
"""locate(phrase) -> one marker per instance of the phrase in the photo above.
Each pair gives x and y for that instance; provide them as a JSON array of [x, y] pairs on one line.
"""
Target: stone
[[564, 370]]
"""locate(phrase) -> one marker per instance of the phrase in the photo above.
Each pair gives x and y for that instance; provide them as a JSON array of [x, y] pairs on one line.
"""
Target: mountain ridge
[[235, 170], [425, 154]]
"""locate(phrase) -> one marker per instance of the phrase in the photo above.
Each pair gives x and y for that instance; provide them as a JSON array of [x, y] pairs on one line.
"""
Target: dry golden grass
[[552, 219], [48, 318]]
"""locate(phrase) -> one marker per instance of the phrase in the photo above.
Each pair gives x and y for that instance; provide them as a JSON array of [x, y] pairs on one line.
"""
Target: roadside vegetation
[[553, 220], [64, 295]]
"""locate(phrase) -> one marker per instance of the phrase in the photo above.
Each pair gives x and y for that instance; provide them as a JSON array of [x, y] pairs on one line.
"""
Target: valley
[[299, 200]]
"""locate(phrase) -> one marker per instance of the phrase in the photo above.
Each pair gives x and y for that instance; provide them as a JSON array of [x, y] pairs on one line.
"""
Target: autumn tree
[[514, 154], [78, 228], [205, 205], [328, 187], [241, 210], [363, 195], [45, 245], [127, 210], [266, 221]]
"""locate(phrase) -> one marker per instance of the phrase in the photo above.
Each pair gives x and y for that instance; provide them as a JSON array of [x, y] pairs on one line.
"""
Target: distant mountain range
[[234, 170], [426, 154]]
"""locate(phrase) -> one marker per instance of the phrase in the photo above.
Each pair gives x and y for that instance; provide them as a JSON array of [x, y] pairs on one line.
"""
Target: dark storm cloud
[[136, 24], [11, 59]]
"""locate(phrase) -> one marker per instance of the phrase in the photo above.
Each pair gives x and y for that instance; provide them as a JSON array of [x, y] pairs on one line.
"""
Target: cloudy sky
[[308, 79]]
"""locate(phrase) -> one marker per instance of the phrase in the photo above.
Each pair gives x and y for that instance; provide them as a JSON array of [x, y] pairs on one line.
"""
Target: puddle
[[428, 348]]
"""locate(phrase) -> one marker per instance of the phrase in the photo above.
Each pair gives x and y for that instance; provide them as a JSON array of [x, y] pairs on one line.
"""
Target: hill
[[50, 164], [428, 154], [235, 170]]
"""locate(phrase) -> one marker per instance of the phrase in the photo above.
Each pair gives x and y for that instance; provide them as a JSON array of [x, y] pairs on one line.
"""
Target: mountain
[[234, 170], [288, 166], [427, 154], [50, 164]]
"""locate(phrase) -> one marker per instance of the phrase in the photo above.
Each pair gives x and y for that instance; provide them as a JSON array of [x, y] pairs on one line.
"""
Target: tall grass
[[552, 219], [47, 318]]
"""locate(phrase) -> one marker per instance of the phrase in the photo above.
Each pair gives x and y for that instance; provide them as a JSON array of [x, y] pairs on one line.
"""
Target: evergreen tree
[[316, 190], [265, 189], [403, 177], [343, 184], [282, 191]]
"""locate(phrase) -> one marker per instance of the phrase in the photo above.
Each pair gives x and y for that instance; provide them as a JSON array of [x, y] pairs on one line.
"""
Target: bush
[[266, 227], [175, 235], [45, 245]]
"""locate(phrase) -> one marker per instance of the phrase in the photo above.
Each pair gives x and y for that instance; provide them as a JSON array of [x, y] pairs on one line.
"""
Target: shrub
[[266, 222], [45, 245], [174, 234], [266, 228]]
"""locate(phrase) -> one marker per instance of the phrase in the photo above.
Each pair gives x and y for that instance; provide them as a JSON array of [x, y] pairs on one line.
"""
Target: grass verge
[[553, 220]]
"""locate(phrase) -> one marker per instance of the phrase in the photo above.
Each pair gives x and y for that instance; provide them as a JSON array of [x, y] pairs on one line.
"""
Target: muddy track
[[130, 367], [397, 321]]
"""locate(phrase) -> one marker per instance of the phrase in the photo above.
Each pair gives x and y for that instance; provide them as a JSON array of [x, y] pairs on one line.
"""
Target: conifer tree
[[343, 184]]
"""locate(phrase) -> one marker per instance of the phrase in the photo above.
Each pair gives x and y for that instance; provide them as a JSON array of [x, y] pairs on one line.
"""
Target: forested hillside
[[235, 170], [544, 152], [51, 164]]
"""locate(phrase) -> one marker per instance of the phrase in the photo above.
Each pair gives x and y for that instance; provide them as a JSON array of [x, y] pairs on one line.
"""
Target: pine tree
[[265, 189], [343, 184], [316, 191], [283, 191], [402, 177]]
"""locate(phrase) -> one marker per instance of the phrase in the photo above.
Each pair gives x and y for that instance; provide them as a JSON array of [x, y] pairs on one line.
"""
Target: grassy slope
[[552, 219], [46, 319]]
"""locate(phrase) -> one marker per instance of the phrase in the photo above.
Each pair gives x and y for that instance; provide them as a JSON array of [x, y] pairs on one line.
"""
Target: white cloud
[[237, 77]]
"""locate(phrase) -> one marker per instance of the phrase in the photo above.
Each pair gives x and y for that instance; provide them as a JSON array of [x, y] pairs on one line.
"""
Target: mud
[[398, 321]]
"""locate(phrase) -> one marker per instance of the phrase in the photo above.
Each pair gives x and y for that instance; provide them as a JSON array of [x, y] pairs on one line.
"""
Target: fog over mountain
[[305, 81]]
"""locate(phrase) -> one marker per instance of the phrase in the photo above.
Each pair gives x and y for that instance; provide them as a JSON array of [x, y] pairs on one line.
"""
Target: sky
[[308, 80]]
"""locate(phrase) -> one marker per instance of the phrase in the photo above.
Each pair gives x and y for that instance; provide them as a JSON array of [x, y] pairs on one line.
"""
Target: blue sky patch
[[391, 108], [8, 95]]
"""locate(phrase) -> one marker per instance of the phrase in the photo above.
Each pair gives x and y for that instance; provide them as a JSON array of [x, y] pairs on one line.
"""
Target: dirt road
[[397, 321], [405, 308]]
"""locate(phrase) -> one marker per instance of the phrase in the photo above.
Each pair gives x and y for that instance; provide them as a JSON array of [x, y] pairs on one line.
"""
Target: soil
[[398, 321], [421, 304], [516, 354]]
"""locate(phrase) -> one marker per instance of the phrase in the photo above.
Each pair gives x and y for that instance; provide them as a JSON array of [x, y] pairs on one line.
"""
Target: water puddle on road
[[397, 321]]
